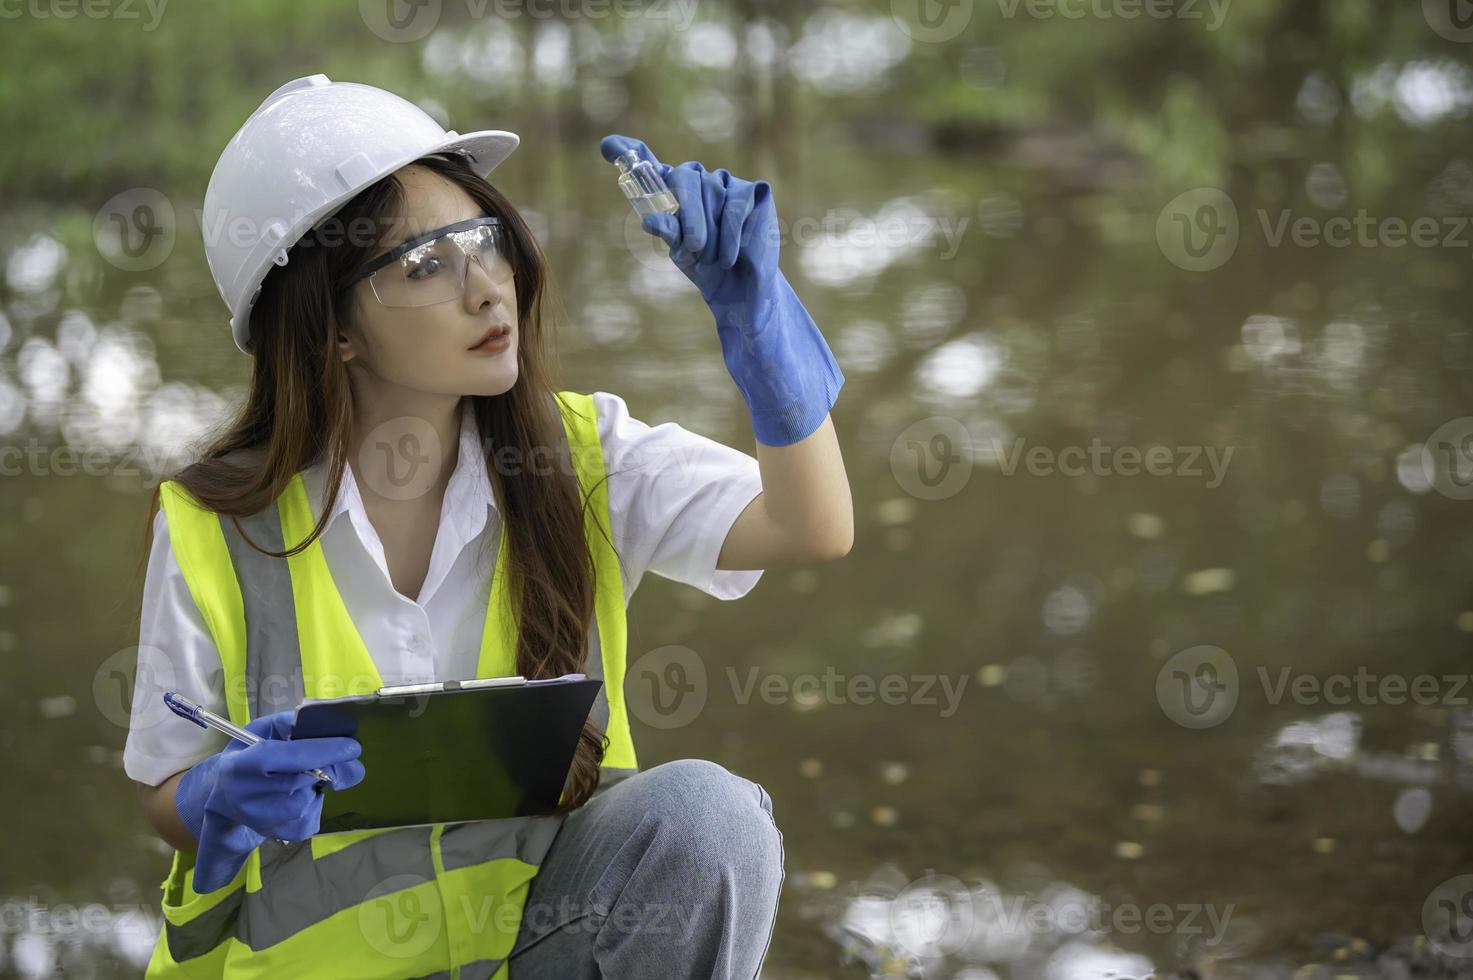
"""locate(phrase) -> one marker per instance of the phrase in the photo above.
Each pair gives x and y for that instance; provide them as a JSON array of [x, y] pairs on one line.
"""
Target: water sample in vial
[[642, 184]]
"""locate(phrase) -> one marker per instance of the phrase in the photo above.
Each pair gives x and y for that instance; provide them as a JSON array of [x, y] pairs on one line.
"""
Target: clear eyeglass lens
[[436, 271]]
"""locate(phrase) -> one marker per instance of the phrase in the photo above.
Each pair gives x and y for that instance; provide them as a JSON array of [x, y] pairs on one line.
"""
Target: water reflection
[[978, 246], [940, 926], [57, 939]]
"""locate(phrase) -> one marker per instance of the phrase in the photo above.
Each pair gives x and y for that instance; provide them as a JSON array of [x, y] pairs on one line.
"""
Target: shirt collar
[[467, 496]]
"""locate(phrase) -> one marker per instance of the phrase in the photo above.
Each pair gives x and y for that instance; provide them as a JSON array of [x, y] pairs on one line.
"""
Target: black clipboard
[[448, 752]]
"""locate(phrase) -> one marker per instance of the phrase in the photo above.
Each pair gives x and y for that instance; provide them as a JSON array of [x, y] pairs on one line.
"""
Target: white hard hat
[[309, 148]]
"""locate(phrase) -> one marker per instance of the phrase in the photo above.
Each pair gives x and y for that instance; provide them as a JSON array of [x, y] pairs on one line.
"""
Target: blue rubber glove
[[243, 794], [725, 239]]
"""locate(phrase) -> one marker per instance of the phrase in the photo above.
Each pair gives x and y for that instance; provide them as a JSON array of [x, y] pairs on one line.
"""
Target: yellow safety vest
[[438, 901]]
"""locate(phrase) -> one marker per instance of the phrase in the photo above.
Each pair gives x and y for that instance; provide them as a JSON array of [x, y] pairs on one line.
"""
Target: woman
[[394, 304]]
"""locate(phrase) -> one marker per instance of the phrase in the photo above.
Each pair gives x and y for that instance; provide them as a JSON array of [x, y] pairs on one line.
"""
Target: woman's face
[[428, 349]]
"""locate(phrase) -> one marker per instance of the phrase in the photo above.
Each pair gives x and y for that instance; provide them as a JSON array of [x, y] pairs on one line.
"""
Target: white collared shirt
[[673, 496]]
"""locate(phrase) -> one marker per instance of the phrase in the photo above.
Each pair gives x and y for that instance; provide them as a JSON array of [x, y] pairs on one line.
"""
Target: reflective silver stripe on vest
[[593, 666], [298, 891], [273, 655], [524, 838], [205, 931]]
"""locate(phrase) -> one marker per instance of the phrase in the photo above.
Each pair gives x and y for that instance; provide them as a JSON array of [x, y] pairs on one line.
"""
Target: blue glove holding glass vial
[[235, 799], [725, 239]]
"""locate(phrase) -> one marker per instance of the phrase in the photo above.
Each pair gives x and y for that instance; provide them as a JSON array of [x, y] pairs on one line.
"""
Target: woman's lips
[[495, 340]]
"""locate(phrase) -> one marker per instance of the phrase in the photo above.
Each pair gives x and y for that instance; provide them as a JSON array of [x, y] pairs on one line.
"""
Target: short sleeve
[[673, 497], [175, 653]]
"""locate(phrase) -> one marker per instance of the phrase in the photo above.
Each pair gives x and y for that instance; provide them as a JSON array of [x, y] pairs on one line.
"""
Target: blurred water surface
[[1014, 240]]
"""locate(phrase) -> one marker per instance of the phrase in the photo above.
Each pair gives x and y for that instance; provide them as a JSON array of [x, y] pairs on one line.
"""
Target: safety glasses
[[433, 267]]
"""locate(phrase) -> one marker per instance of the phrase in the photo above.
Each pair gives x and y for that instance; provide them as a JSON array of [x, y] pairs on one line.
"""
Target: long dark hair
[[299, 410]]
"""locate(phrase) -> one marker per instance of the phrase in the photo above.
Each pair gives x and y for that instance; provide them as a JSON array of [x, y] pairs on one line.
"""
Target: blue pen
[[204, 718]]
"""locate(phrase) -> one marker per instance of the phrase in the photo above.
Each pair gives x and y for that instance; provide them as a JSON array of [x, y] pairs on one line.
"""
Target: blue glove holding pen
[[725, 239], [235, 799]]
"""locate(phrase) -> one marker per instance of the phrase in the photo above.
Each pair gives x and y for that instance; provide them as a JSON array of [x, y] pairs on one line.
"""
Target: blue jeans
[[673, 872]]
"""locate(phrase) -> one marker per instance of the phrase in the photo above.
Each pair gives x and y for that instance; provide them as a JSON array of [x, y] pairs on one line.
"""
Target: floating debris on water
[[1302, 749], [881, 959]]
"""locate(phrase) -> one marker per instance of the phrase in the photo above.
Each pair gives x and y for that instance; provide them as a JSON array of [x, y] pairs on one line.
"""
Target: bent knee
[[716, 811]]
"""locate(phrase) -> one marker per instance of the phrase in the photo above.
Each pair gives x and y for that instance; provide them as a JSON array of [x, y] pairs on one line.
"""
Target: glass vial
[[643, 185]]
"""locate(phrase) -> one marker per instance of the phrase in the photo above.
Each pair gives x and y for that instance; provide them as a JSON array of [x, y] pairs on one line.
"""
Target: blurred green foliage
[[101, 104]]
